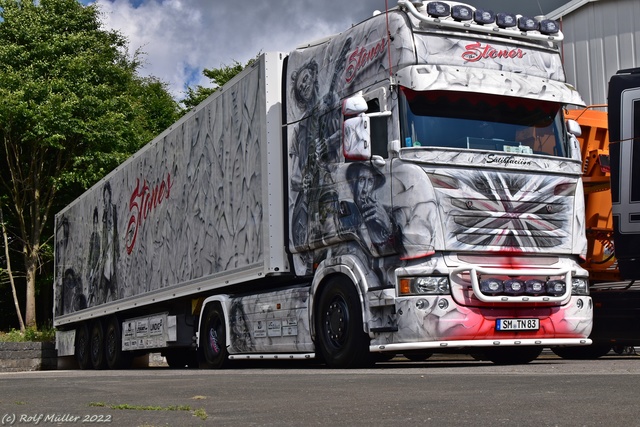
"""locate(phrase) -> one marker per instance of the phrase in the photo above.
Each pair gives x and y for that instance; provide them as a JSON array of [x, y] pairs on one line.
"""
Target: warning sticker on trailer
[[290, 327], [274, 328], [260, 329]]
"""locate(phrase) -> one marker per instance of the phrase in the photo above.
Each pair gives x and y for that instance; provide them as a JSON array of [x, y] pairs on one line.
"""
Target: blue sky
[[182, 37]]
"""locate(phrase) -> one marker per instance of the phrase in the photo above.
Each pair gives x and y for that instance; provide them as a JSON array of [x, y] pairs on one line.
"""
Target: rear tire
[[116, 358], [340, 338], [98, 360], [213, 339], [513, 355], [589, 352], [83, 346]]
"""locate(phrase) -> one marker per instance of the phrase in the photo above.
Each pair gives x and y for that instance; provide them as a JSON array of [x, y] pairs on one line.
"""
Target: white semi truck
[[408, 186]]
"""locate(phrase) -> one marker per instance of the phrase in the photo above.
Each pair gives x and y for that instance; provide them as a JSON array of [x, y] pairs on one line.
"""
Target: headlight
[[580, 286], [432, 285]]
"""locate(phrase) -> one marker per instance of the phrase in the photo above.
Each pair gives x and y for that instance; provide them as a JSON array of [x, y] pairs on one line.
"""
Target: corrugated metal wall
[[601, 38]]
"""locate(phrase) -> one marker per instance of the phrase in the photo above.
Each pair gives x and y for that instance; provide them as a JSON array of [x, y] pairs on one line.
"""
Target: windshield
[[481, 122]]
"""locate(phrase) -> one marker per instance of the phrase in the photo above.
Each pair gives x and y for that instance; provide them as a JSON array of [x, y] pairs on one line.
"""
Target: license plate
[[517, 324]]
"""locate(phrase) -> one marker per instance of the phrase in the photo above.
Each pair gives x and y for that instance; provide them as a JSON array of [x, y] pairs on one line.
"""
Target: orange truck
[[612, 197]]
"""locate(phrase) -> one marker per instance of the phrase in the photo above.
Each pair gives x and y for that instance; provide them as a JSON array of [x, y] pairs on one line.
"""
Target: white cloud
[[182, 37]]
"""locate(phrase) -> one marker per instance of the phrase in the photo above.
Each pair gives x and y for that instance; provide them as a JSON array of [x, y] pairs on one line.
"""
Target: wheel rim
[[337, 322], [213, 337], [95, 347], [214, 345], [111, 344]]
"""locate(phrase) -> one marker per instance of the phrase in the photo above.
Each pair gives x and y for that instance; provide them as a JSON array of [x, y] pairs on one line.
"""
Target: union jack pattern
[[508, 211]]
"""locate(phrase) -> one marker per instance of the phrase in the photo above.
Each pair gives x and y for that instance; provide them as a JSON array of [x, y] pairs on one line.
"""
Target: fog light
[[549, 27], [484, 17], [461, 13], [534, 287], [579, 304], [514, 287], [527, 24], [443, 304], [491, 286], [556, 287], [438, 9], [506, 20], [422, 304]]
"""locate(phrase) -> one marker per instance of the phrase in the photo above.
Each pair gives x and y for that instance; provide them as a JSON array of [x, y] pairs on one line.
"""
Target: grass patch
[[200, 413], [30, 334]]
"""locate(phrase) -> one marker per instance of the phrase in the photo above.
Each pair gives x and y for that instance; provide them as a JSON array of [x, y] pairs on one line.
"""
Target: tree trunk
[[31, 267]]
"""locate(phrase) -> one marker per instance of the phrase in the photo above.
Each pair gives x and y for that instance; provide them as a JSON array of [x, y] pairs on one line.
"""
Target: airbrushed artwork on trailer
[[416, 210], [162, 220]]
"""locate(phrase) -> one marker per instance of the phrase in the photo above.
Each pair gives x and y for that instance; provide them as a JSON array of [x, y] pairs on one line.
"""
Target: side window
[[378, 130]]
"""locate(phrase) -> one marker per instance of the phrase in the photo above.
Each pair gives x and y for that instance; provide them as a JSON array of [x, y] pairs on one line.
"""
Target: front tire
[[589, 352], [213, 339], [513, 355], [339, 335]]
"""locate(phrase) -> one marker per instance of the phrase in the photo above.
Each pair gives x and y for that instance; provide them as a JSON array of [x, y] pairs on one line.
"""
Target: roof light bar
[[446, 14]]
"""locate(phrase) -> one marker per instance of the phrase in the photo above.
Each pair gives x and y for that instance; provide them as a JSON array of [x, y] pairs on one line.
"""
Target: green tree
[[72, 109], [218, 77]]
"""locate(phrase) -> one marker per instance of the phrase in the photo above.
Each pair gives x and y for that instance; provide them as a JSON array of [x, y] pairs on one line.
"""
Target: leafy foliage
[[72, 109], [218, 78]]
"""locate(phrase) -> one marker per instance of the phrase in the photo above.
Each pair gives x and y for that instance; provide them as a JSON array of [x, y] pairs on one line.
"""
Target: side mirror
[[357, 138], [354, 105], [574, 128]]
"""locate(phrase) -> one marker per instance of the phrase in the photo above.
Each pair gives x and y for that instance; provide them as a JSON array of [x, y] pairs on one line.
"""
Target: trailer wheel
[[513, 355], [82, 346], [213, 339], [116, 358], [339, 335], [97, 345]]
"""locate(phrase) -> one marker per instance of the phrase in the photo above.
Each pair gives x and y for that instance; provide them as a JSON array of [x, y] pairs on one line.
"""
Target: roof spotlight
[[506, 20], [438, 9], [526, 23], [461, 13], [484, 17], [549, 27]]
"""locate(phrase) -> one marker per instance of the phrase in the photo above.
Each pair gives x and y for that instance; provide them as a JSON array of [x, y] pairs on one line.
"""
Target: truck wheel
[[589, 352], [83, 347], [513, 355], [418, 356], [116, 358], [97, 345], [213, 339], [339, 336]]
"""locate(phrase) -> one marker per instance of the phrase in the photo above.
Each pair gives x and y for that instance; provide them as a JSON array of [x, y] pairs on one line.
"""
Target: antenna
[[540, 7]]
